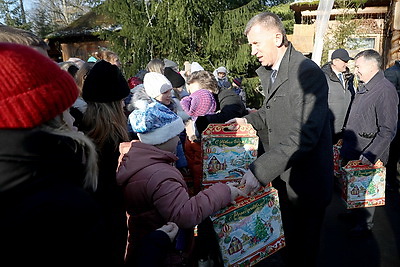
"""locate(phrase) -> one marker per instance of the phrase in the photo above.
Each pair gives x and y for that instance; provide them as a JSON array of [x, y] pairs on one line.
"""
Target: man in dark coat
[[341, 91], [371, 125], [393, 75], [293, 125]]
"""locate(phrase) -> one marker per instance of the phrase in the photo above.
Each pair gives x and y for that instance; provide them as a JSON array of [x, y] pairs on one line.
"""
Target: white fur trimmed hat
[[154, 123], [222, 69], [156, 84]]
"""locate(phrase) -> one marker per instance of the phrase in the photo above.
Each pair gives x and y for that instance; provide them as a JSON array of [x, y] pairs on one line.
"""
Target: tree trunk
[[23, 16]]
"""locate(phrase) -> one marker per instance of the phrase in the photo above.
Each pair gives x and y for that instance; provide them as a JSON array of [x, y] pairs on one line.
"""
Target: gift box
[[337, 170], [363, 185], [250, 230], [227, 154]]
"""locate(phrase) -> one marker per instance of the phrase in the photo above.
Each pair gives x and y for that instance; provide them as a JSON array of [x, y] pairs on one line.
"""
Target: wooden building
[[378, 20], [81, 38]]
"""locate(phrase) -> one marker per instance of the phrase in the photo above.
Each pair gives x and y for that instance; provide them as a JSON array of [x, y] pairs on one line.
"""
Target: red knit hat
[[33, 88]]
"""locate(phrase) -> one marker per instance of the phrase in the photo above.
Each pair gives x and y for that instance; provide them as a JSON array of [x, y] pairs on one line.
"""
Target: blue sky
[[28, 4]]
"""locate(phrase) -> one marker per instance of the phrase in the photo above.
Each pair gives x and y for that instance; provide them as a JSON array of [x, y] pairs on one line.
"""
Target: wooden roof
[[308, 9], [89, 24], [299, 6]]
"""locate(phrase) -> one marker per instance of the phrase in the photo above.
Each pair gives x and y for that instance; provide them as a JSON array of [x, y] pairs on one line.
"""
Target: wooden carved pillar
[[394, 47]]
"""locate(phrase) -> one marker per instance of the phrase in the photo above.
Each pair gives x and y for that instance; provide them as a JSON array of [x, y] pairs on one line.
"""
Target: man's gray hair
[[270, 21], [370, 54]]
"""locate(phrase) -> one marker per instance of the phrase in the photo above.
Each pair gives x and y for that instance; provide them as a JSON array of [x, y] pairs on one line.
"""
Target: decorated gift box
[[363, 185], [227, 154], [337, 170], [250, 230]]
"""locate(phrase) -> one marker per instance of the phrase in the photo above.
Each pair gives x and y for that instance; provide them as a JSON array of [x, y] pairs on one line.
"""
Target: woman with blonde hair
[[156, 65], [79, 107], [111, 57], [104, 121]]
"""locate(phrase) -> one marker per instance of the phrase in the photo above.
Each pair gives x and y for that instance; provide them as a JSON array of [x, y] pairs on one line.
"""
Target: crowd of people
[[103, 169]]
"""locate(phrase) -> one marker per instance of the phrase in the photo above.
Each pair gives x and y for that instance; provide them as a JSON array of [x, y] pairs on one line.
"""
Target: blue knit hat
[[154, 123]]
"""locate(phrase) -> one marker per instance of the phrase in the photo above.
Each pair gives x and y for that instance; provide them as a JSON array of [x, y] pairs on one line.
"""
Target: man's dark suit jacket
[[293, 125]]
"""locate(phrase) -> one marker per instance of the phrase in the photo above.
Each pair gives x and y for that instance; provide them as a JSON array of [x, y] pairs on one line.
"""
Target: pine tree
[[12, 13], [207, 31], [260, 229], [42, 24]]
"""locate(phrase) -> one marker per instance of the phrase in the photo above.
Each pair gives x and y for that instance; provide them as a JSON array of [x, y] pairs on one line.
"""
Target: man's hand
[[239, 121], [236, 122], [251, 184]]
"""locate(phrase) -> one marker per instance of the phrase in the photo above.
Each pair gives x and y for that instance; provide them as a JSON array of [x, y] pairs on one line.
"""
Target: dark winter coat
[[153, 250], [339, 96], [294, 125], [110, 197], [393, 75], [47, 218], [372, 121]]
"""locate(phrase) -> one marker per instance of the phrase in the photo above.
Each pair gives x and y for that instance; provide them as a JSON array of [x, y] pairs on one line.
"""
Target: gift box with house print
[[363, 185], [250, 230], [226, 153]]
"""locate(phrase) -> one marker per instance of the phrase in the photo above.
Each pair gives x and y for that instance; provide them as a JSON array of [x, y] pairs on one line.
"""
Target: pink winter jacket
[[156, 193]]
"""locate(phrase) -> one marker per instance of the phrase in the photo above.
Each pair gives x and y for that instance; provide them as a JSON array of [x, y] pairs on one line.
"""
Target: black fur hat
[[105, 83], [175, 78]]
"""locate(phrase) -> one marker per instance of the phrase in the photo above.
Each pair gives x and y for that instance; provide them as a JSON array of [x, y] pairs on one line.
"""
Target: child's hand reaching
[[190, 131], [235, 192]]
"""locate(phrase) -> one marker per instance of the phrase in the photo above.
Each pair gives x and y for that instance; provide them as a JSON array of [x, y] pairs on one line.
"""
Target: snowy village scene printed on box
[[363, 185], [227, 154], [251, 230]]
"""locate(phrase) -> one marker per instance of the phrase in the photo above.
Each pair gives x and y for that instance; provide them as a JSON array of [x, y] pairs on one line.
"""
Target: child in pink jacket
[[154, 190]]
